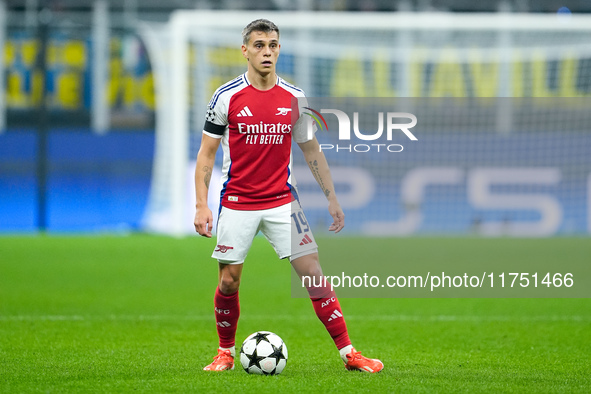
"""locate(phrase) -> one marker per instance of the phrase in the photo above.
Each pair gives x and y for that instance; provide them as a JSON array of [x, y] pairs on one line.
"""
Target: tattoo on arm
[[316, 172], [207, 178]]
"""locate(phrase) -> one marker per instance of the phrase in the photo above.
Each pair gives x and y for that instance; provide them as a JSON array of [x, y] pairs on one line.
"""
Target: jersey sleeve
[[304, 127], [216, 118]]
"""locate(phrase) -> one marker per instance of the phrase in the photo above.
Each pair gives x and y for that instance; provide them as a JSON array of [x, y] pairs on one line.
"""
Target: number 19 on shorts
[[300, 222]]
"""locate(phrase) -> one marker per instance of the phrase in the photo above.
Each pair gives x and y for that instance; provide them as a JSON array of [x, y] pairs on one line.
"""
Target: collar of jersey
[[248, 82]]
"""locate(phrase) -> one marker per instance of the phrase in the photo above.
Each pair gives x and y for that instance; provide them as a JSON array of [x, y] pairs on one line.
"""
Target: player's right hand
[[203, 221]]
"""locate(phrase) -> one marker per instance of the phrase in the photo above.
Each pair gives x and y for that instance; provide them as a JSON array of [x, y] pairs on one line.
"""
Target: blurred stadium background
[[100, 118], [87, 140]]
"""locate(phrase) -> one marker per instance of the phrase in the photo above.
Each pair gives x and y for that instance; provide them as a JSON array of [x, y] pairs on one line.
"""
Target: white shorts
[[285, 227]]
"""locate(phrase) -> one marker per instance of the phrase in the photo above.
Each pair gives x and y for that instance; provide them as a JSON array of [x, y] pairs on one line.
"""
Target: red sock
[[329, 312], [227, 311]]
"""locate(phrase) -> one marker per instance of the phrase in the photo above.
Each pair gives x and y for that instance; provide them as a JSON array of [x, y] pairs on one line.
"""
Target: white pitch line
[[310, 316]]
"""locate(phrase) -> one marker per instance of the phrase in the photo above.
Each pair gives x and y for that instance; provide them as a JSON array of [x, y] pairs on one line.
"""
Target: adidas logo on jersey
[[335, 315], [245, 112], [225, 324], [306, 240]]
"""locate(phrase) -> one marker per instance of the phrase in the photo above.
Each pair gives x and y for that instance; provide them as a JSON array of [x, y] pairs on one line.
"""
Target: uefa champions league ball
[[263, 353]]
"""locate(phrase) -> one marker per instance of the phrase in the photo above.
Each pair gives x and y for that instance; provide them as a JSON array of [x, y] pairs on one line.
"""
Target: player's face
[[262, 51]]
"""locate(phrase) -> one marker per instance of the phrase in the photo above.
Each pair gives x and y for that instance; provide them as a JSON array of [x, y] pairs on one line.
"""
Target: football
[[263, 353]]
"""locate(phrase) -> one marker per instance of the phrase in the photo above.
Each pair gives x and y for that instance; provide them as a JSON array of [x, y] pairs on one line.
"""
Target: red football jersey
[[256, 131]]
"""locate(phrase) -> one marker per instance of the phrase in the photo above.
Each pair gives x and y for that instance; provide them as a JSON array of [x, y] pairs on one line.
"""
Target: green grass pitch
[[135, 313]]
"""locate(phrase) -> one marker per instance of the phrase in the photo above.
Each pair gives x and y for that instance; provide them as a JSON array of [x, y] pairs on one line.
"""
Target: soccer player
[[251, 116]]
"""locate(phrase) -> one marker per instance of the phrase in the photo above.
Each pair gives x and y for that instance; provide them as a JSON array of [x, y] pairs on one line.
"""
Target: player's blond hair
[[264, 25]]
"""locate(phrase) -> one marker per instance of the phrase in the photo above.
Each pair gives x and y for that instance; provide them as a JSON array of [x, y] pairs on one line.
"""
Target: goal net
[[502, 104]]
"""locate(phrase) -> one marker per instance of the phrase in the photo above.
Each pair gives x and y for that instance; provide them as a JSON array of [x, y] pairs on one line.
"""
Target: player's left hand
[[338, 216]]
